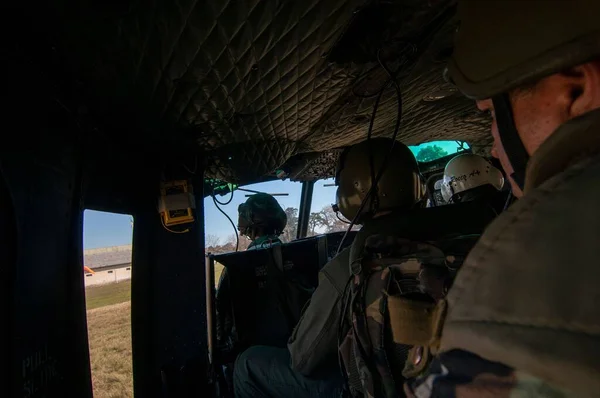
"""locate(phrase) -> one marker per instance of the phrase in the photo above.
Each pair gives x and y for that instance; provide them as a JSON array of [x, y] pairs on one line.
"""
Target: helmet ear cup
[[245, 212], [244, 218], [344, 204], [343, 192]]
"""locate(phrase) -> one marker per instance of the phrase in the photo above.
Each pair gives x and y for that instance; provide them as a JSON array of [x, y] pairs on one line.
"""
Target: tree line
[[322, 221]]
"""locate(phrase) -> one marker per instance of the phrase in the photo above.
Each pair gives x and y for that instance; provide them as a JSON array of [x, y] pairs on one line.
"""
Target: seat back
[[335, 238], [253, 297], [302, 261], [267, 289], [455, 219]]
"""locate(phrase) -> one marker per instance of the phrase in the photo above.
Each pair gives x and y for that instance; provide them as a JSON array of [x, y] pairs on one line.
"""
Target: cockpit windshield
[[434, 150]]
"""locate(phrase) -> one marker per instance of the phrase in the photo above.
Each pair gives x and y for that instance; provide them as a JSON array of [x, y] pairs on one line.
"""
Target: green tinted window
[[430, 151]]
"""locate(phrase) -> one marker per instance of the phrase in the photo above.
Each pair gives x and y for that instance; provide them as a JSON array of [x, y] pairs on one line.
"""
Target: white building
[[109, 265]]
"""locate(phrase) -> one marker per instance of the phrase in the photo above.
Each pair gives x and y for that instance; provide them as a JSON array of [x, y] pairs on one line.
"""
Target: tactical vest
[[395, 309]]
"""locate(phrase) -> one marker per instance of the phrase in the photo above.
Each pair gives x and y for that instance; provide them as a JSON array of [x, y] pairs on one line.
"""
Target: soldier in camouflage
[[262, 220], [401, 264], [523, 314]]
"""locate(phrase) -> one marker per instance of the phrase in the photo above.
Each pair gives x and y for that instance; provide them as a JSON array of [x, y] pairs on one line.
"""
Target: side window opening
[[107, 270]]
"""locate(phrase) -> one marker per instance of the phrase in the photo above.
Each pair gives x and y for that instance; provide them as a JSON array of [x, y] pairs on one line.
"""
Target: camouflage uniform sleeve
[[314, 340], [461, 374], [313, 345]]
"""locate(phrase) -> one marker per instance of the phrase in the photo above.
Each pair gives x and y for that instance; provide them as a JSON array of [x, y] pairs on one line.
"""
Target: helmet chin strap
[[511, 142]]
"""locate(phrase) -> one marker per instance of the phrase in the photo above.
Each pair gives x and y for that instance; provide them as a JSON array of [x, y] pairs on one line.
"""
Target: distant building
[[108, 265]]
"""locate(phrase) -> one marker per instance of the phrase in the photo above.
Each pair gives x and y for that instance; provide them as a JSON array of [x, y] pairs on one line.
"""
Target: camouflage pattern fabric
[[390, 267], [461, 374]]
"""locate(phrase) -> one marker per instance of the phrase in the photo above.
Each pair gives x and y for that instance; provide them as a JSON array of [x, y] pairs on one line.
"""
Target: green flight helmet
[[400, 186], [261, 213], [502, 44]]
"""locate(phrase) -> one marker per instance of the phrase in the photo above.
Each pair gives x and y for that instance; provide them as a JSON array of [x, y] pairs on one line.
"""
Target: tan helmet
[[400, 185], [501, 44], [467, 172]]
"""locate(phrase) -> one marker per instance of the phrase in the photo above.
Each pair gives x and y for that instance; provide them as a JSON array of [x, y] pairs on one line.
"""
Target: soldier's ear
[[582, 85]]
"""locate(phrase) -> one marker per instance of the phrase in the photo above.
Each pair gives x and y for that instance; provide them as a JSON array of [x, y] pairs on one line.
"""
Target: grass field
[[109, 331], [114, 293], [111, 293]]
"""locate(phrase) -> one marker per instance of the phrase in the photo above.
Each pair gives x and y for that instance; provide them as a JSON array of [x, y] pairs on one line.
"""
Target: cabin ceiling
[[259, 85]]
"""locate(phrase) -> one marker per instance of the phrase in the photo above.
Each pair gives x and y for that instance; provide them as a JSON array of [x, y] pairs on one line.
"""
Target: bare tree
[[332, 221], [291, 228], [212, 240], [244, 242], [327, 220], [314, 221]]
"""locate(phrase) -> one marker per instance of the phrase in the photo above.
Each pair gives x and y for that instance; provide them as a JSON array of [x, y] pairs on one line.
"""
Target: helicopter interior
[[141, 107]]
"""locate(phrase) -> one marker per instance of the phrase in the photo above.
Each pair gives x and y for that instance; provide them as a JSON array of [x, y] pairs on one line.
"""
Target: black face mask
[[511, 142]]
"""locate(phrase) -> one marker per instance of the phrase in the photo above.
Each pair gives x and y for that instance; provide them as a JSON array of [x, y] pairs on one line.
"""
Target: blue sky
[[108, 229], [102, 229]]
